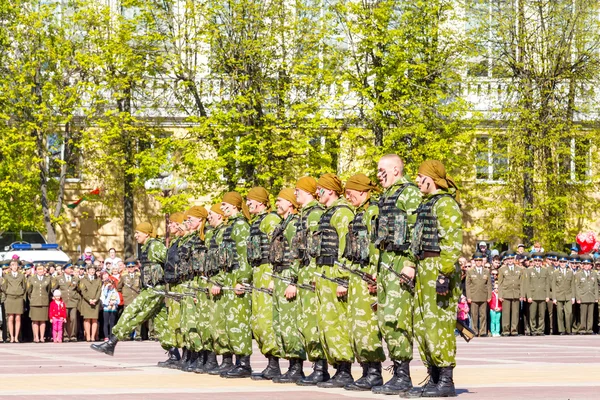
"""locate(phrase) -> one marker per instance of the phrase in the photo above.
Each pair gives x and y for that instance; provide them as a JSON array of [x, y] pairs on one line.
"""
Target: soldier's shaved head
[[390, 169]]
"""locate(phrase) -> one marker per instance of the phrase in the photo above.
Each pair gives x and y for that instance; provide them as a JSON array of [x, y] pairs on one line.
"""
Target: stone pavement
[[548, 368]]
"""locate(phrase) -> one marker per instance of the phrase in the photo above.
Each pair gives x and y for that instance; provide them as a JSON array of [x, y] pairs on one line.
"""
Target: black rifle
[[363, 275], [207, 279], [250, 288], [290, 282], [464, 331], [405, 279], [339, 281], [197, 289], [173, 295]]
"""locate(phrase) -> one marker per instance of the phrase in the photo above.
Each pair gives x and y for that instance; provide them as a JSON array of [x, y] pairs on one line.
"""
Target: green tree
[[545, 55]]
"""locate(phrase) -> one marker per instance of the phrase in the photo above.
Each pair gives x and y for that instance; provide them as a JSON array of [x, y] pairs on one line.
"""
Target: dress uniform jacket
[[38, 291], [536, 284], [586, 289], [68, 290], [130, 286], [479, 285], [90, 290], [563, 284], [14, 288], [509, 282]]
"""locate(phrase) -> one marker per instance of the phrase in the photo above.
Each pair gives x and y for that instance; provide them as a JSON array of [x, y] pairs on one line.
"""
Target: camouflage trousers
[[435, 315], [188, 318], [147, 306], [204, 308], [261, 320], [395, 309], [285, 321], [237, 310], [332, 318], [174, 317], [307, 315], [366, 338], [218, 318]]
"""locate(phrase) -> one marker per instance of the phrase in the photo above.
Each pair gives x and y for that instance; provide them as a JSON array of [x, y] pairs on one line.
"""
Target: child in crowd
[[110, 302], [58, 316], [463, 310], [495, 312]]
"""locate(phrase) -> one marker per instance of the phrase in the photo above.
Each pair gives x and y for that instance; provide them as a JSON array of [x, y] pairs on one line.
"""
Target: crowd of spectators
[[530, 292], [82, 300]]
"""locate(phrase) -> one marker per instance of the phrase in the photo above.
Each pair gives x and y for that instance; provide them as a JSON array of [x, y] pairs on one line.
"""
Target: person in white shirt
[[112, 258]]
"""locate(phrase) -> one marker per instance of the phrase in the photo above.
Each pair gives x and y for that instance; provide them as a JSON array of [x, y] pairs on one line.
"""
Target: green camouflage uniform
[[285, 312], [237, 308], [395, 301], [217, 304], [332, 316], [366, 338], [308, 302], [262, 304], [204, 304], [148, 305], [435, 316], [189, 307], [173, 316]]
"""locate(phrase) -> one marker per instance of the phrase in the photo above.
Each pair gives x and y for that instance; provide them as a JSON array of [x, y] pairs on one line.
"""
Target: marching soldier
[[510, 278], [563, 291], [479, 293], [193, 309], [536, 292], [310, 214], [130, 286], [234, 262], [327, 245], [586, 294], [394, 298], [67, 284], [437, 243], [264, 223], [285, 301], [364, 256], [149, 303]]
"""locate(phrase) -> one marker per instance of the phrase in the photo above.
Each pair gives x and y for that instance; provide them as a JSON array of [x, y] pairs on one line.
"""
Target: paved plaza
[[548, 368]]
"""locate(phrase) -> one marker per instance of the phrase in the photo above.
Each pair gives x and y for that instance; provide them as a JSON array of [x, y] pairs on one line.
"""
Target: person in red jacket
[[495, 312], [57, 315]]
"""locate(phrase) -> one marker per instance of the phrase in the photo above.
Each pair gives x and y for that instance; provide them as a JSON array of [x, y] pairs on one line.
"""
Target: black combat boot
[[192, 362], [371, 377], [185, 355], [342, 377], [173, 358], [432, 381], [273, 370], [320, 374], [445, 385], [225, 366], [107, 347], [293, 374], [201, 363], [210, 364], [400, 381], [241, 370]]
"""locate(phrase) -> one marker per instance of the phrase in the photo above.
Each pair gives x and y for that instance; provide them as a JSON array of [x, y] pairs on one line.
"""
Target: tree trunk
[[128, 194]]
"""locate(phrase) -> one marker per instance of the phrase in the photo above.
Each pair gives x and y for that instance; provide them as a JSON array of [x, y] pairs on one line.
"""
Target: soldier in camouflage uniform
[[436, 244], [173, 276], [262, 227], [310, 214], [149, 303], [192, 321], [366, 337], [236, 271], [327, 245], [395, 299], [285, 301], [213, 332]]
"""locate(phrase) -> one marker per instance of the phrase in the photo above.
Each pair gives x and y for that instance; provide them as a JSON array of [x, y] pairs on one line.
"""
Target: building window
[[491, 159]]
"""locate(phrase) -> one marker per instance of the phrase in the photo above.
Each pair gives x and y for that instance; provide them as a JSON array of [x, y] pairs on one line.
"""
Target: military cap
[[537, 256], [68, 265], [478, 256], [520, 245], [80, 262], [90, 266], [508, 254], [5, 263], [130, 262], [585, 259], [27, 265], [563, 257], [551, 255], [574, 258]]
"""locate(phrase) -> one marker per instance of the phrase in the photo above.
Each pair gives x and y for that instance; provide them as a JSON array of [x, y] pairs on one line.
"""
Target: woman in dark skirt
[[14, 286], [38, 290], [90, 288]]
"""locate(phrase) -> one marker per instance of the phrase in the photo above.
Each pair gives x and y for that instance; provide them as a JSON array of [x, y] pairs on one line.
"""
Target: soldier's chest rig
[[280, 253], [212, 255], [324, 244], [357, 241], [258, 243], [299, 247], [152, 272], [426, 239], [392, 223], [227, 253], [172, 270]]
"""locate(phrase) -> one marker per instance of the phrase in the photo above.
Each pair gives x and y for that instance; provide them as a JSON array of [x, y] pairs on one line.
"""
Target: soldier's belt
[[258, 263], [429, 254], [326, 260]]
